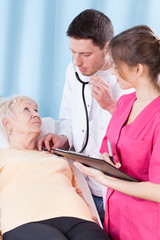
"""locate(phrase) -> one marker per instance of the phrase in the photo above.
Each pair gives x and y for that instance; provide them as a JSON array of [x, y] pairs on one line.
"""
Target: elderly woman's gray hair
[[7, 106]]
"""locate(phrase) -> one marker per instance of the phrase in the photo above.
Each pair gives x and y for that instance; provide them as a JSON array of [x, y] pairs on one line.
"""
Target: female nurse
[[133, 208]]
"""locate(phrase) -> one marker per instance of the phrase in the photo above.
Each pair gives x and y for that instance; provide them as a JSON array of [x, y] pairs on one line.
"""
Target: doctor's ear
[[106, 46]]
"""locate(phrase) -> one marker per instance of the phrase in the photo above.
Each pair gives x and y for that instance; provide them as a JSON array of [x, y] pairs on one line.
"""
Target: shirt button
[[82, 130]]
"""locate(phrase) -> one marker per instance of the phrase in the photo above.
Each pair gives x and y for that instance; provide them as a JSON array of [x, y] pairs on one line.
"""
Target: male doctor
[[89, 35]]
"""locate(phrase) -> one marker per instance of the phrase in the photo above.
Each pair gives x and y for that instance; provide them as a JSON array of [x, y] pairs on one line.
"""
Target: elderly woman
[[39, 196]]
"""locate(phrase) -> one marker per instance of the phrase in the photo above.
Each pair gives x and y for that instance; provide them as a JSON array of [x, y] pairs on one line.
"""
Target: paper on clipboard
[[97, 163]]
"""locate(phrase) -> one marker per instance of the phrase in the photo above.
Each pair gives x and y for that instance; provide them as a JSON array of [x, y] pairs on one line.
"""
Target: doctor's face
[[87, 57]]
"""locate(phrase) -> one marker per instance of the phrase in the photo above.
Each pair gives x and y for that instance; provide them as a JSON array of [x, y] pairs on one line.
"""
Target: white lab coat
[[73, 117]]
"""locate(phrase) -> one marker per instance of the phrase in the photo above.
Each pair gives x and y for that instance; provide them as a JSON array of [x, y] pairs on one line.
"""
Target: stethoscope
[[85, 106], [84, 102]]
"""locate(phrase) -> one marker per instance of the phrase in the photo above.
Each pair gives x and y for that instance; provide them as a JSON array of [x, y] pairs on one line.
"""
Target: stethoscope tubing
[[87, 118], [84, 102], [85, 108]]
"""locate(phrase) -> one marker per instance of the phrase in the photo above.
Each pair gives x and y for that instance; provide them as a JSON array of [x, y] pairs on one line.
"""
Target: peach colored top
[[36, 186]]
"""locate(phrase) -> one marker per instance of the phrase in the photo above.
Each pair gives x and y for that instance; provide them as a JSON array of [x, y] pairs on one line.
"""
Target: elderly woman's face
[[27, 119]]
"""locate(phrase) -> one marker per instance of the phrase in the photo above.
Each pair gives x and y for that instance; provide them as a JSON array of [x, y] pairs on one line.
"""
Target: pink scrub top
[[137, 147]]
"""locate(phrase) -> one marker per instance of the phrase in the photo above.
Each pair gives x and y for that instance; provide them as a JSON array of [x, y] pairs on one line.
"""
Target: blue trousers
[[99, 205]]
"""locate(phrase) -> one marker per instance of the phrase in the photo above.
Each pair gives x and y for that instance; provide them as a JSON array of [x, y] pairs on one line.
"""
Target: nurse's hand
[[105, 157], [102, 93], [94, 173], [89, 171], [53, 141], [97, 174]]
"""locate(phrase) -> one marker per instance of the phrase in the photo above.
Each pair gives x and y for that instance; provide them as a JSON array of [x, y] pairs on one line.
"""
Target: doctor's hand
[[53, 141], [102, 93]]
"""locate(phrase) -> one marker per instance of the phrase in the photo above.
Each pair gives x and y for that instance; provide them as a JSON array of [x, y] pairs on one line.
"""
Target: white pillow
[[48, 125], [3, 141]]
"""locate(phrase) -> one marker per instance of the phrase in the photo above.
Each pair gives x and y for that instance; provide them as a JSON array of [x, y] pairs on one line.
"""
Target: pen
[[110, 151]]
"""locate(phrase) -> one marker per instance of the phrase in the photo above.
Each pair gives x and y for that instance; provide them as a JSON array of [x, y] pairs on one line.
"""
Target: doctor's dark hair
[[137, 45], [92, 24]]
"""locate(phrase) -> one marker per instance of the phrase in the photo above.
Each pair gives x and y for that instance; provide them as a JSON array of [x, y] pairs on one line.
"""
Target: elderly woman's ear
[[7, 124]]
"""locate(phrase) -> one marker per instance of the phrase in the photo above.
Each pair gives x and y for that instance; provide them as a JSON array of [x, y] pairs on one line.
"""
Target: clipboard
[[97, 163]]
